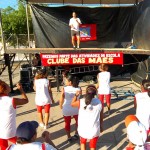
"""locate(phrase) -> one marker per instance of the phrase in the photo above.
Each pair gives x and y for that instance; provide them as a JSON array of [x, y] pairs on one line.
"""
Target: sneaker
[[76, 137], [46, 126], [69, 140], [41, 125], [108, 111], [74, 47], [78, 47]]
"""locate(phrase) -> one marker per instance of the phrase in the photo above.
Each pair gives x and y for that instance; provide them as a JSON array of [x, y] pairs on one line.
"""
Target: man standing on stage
[[74, 24]]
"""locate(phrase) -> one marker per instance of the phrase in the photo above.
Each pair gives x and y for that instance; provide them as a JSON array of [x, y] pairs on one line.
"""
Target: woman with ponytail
[[90, 117], [68, 92], [142, 105]]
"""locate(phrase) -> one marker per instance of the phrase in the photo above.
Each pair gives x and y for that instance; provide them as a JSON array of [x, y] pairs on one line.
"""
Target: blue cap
[[27, 130]]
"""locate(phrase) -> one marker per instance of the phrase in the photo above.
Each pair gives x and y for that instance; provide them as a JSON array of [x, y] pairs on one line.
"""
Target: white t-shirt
[[143, 109], [89, 119], [7, 118], [146, 147], [31, 146], [42, 96], [104, 83], [67, 109], [75, 23]]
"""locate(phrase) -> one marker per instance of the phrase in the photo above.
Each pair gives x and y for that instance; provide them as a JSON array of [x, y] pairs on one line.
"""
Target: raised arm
[[78, 21], [97, 85], [24, 99], [34, 86], [47, 139], [135, 105], [75, 101]]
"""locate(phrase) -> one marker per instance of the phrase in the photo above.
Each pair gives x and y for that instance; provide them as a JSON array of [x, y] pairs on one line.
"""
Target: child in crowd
[[8, 114], [90, 118], [64, 77], [26, 135], [43, 97], [68, 92], [142, 105], [136, 134], [104, 85]]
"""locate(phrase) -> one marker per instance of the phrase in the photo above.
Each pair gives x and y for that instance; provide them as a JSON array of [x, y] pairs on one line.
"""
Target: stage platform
[[81, 50]]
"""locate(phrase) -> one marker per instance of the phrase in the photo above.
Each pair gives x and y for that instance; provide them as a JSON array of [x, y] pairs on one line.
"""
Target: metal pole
[[2, 35], [57, 79], [7, 63], [28, 32]]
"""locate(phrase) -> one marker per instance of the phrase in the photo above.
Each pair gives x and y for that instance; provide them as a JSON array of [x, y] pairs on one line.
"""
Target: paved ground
[[114, 135]]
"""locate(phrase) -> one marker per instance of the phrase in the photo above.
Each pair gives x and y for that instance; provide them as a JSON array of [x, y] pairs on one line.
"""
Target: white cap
[[137, 134]]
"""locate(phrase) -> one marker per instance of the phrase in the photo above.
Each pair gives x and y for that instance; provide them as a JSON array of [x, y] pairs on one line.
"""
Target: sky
[[6, 3]]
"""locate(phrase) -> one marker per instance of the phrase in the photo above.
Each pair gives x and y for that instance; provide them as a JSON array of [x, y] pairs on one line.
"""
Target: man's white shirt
[[75, 22]]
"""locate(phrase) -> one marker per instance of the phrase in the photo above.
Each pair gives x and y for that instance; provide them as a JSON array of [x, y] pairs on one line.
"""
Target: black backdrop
[[141, 36], [141, 30], [114, 25]]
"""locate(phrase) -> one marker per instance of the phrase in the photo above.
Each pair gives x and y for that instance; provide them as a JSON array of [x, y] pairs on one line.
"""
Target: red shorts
[[46, 108], [4, 142], [107, 97], [68, 121], [92, 143]]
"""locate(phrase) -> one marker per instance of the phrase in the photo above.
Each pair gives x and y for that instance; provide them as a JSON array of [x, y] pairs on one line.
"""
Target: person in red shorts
[[142, 105], [8, 114], [67, 95], [104, 85], [43, 97], [90, 118], [136, 133], [26, 138]]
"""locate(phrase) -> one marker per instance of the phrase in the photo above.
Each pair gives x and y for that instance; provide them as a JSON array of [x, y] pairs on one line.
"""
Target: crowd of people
[[87, 110]]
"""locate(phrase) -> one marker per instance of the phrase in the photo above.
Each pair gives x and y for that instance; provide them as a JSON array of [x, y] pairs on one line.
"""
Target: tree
[[14, 20]]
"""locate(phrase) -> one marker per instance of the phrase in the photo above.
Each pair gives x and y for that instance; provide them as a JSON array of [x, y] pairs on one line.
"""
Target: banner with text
[[88, 32], [84, 59]]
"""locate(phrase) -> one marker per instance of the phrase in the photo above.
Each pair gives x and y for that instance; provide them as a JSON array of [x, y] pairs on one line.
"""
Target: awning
[[86, 1]]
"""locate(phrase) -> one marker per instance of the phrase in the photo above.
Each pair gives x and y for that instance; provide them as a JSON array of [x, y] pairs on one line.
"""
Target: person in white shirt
[[67, 95], [74, 23], [136, 133], [8, 114], [142, 105], [43, 97], [26, 135], [104, 85], [90, 118]]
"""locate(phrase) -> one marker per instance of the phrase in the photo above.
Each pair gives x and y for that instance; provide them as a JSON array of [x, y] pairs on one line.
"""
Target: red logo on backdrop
[[88, 32], [84, 59]]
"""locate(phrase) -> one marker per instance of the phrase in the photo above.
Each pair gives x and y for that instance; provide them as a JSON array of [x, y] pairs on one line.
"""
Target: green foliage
[[14, 20]]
